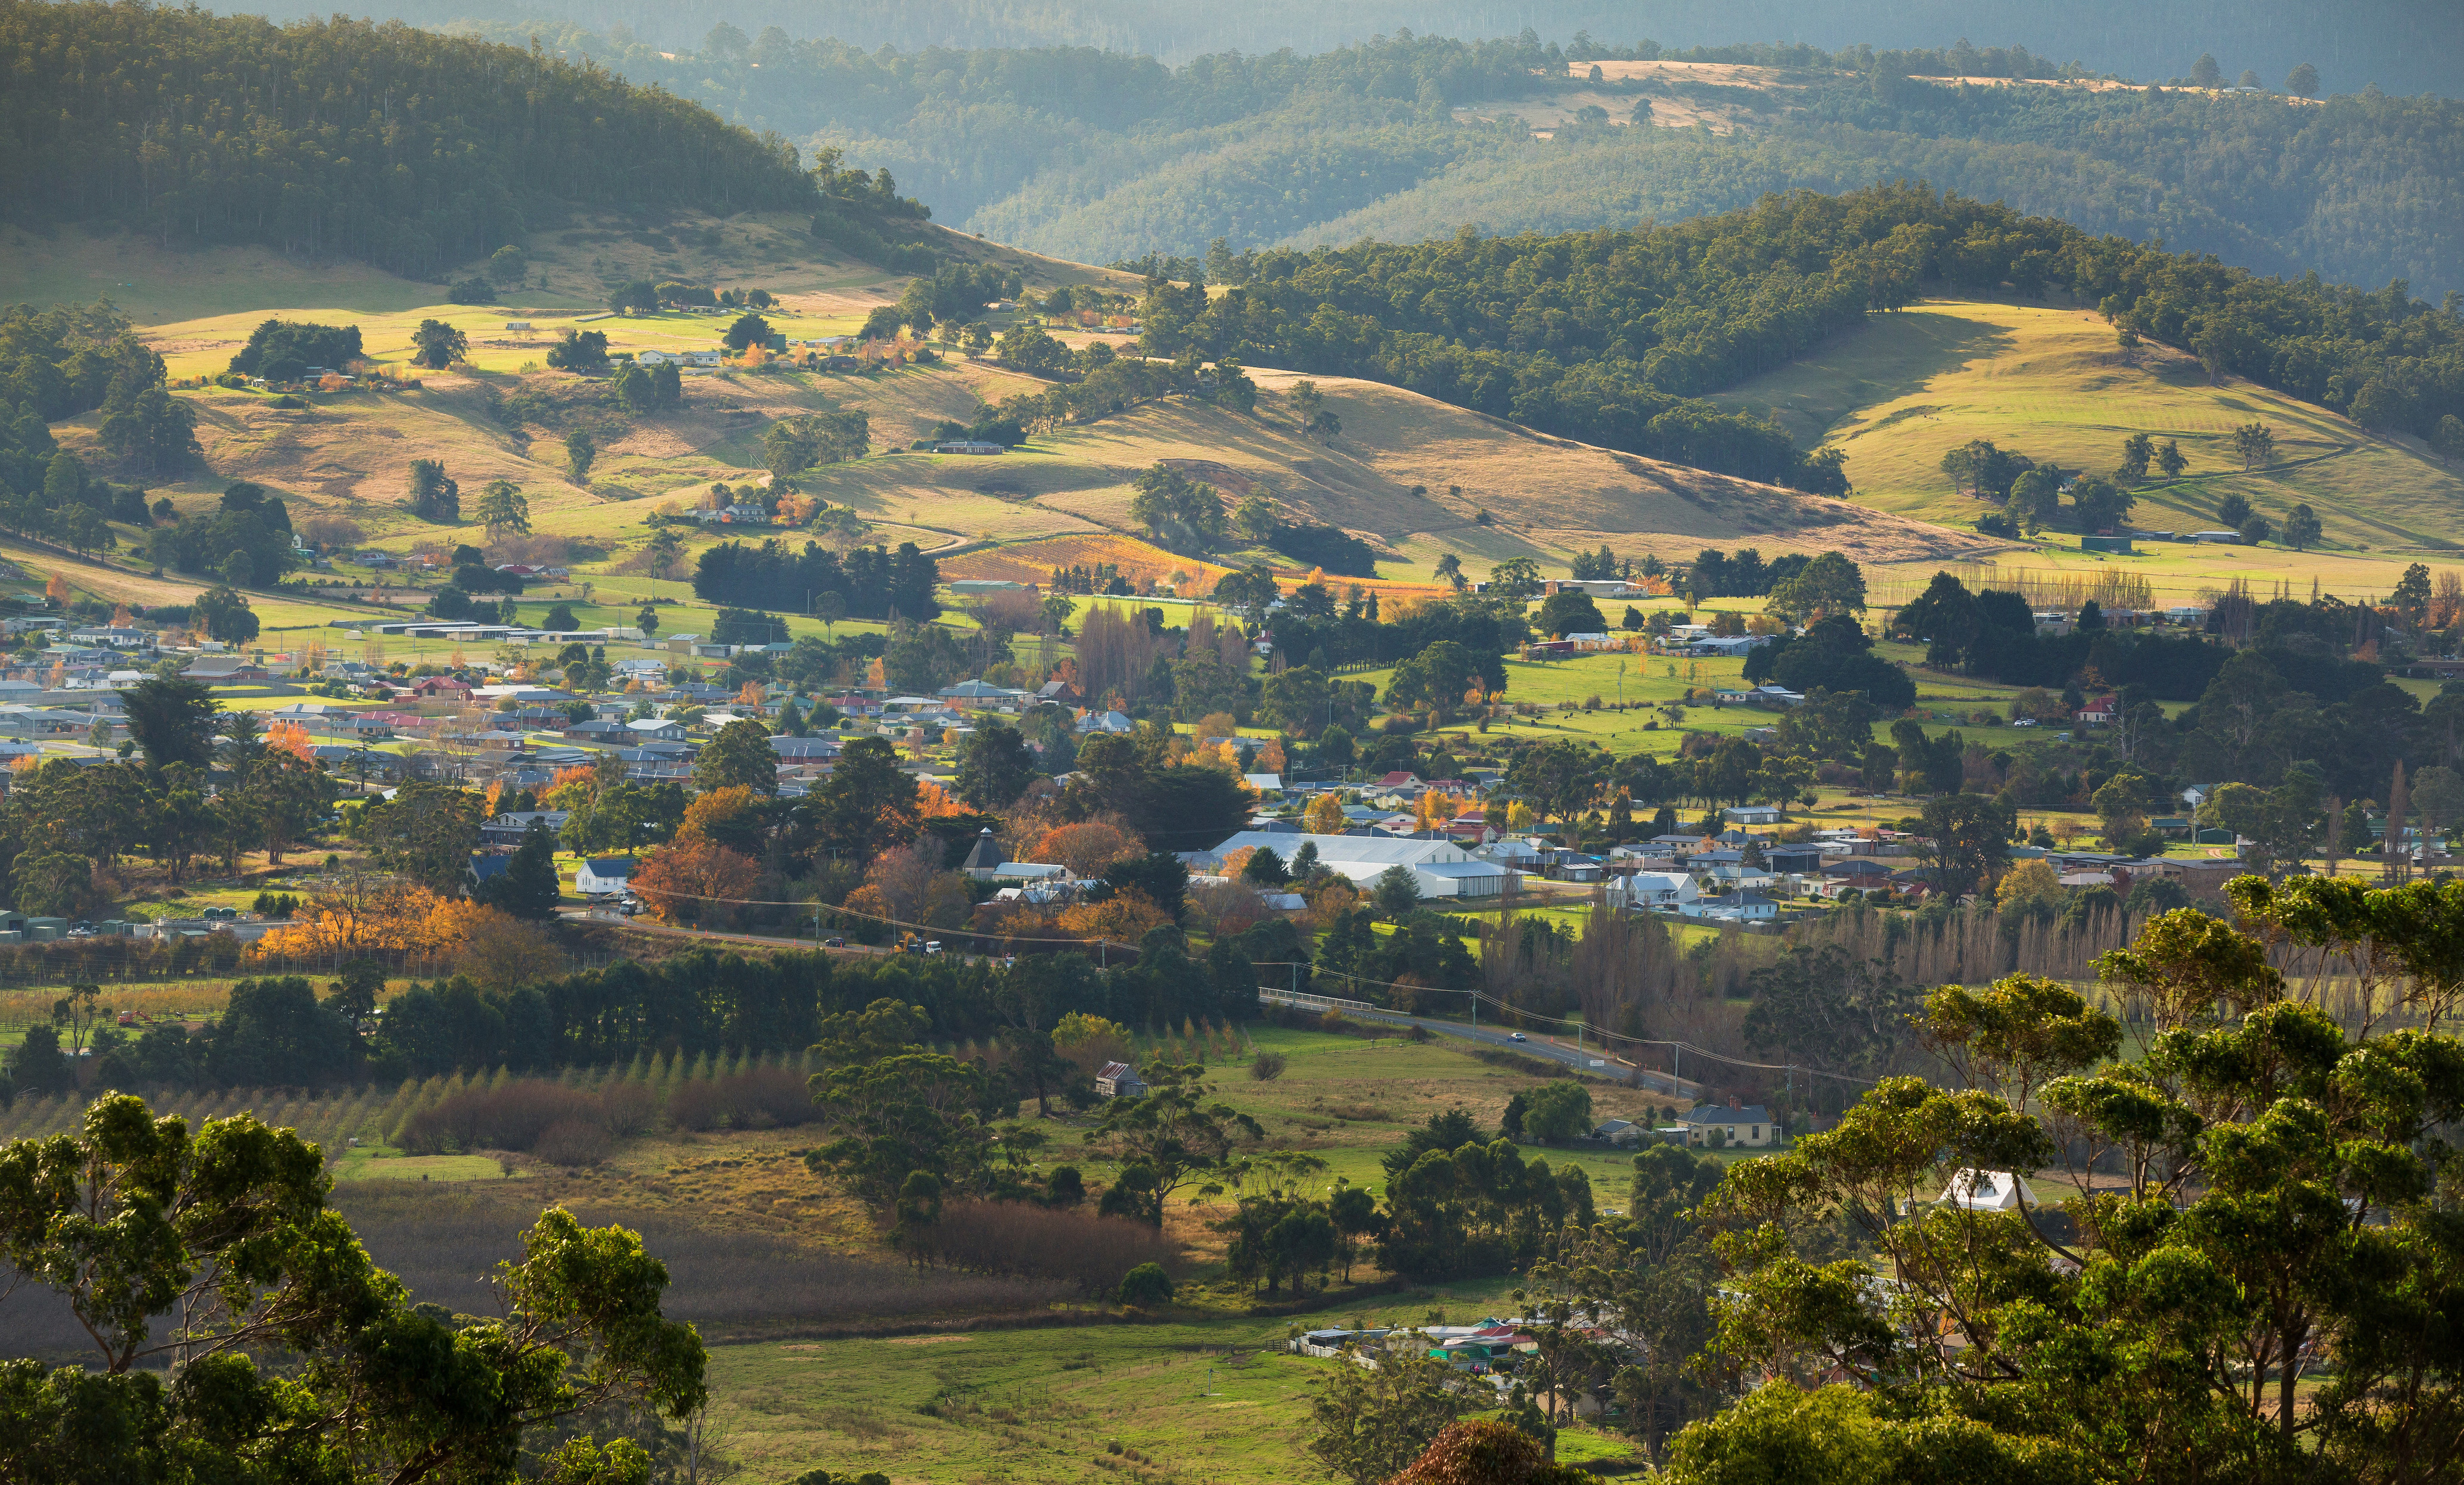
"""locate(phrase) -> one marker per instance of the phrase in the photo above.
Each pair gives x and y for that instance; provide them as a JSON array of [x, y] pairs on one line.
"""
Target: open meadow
[[2049, 382]]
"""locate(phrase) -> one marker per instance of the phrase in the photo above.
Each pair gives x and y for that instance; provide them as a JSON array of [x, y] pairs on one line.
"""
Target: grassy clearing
[[2052, 383], [1182, 1399], [387, 1165]]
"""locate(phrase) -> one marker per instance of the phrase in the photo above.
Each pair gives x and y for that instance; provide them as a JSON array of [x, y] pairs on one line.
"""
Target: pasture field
[[1174, 1399], [2052, 382]]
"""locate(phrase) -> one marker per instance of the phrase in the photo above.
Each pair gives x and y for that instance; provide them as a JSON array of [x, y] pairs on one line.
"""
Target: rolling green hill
[[1901, 390]]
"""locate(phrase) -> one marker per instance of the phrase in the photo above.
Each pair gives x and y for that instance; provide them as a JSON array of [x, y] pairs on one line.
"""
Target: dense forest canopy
[[2361, 188], [1106, 156], [1607, 336], [412, 150]]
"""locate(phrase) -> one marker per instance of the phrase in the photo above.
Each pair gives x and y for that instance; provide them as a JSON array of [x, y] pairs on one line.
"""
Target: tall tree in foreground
[[200, 1251], [2280, 1206]]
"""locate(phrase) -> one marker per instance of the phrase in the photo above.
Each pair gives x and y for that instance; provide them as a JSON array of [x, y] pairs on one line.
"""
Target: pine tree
[[528, 887]]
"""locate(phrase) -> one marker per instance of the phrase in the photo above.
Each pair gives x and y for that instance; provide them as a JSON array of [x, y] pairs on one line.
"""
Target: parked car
[[1517, 1036], [834, 942]]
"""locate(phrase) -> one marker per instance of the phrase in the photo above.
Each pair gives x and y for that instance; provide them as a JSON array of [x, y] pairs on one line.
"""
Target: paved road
[[1588, 1060]]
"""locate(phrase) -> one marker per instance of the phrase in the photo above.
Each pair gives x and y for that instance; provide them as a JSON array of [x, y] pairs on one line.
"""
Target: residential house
[[225, 669], [442, 687], [1748, 1125], [1746, 906], [980, 692], [1118, 1081], [122, 637], [1519, 855], [1858, 871], [969, 446], [1752, 814], [1793, 858], [1619, 1131], [1645, 891], [512, 829], [604, 876], [804, 750], [655, 729]]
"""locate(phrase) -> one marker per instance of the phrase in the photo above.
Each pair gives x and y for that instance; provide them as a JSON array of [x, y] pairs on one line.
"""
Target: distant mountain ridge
[[1105, 157], [2404, 46]]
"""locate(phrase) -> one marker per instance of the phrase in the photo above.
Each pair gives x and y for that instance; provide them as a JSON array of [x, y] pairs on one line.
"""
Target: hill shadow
[[1884, 359]]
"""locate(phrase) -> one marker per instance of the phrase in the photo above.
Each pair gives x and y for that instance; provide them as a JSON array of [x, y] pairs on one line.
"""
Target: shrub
[[1267, 1066], [512, 1117], [628, 1109], [1038, 1242], [762, 1098], [574, 1141], [1147, 1285], [1560, 1110]]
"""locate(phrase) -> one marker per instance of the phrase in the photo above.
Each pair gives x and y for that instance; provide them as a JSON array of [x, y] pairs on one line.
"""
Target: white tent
[[1988, 1191]]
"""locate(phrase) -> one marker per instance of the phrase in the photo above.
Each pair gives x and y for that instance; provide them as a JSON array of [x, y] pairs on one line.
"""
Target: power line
[[896, 922], [1603, 1034]]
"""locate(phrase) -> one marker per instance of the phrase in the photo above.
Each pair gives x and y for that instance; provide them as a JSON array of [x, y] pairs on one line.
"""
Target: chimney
[[1735, 1102]]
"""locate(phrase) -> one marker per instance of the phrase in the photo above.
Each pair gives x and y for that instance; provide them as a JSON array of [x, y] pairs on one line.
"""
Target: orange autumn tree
[[292, 738], [935, 802], [695, 880], [1087, 848]]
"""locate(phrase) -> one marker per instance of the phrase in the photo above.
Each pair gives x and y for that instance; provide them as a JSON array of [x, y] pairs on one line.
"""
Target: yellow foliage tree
[[2030, 882], [1125, 917], [56, 588], [1518, 818], [1324, 816], [364, 917]]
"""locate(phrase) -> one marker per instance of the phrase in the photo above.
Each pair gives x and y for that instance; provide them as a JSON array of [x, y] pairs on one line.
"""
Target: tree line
[[870, 582]]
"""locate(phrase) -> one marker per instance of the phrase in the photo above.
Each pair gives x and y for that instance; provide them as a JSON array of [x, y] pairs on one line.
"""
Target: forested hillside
[[1609, 336], [2362, 189], [412, 150], [1105, 157]]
